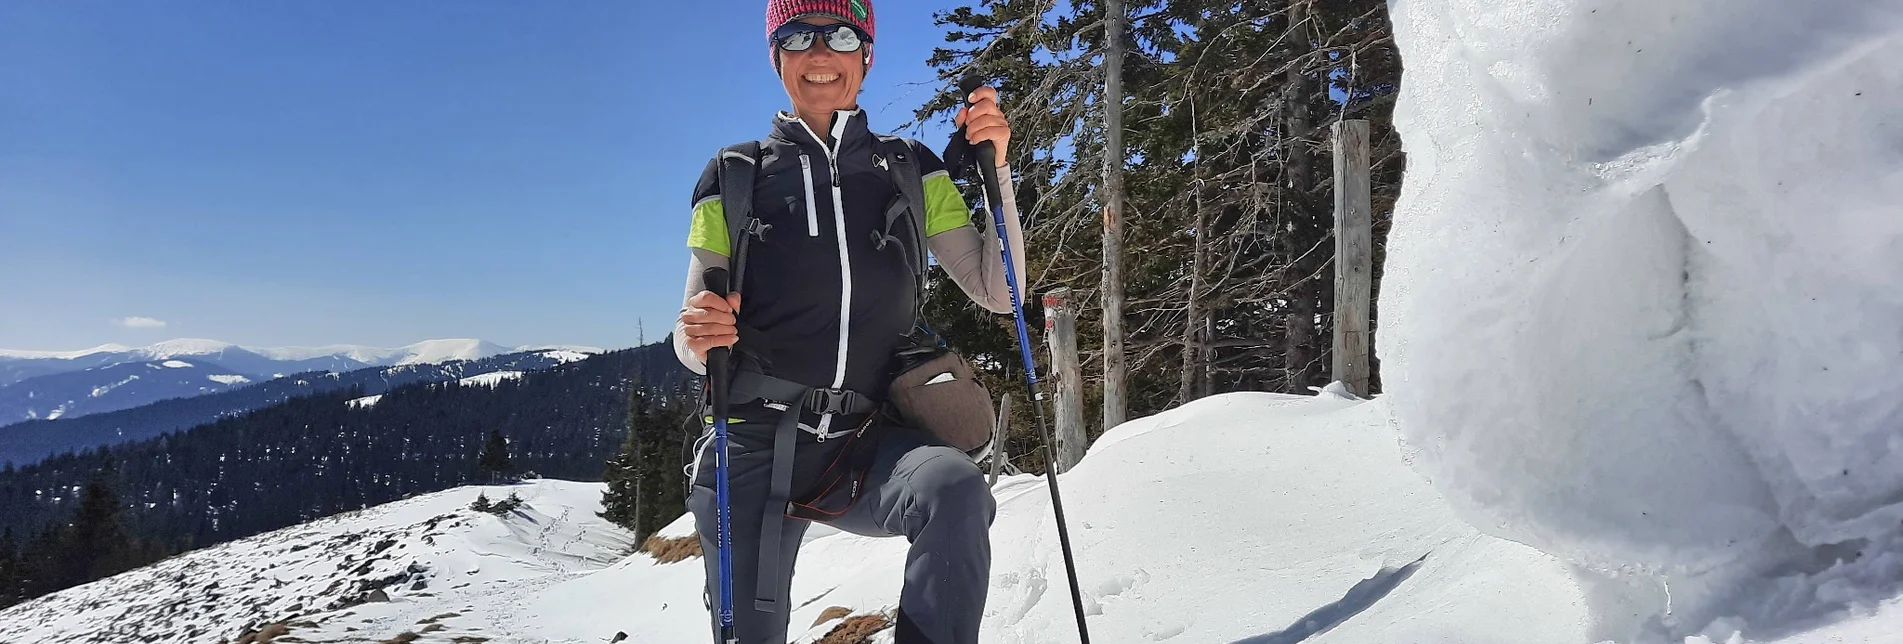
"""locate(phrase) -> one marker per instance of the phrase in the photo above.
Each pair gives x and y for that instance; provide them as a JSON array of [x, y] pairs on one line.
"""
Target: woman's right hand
[[709, 322]]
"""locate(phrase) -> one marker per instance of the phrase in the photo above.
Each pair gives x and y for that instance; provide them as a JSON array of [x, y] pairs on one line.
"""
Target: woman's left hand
[[984, 121]]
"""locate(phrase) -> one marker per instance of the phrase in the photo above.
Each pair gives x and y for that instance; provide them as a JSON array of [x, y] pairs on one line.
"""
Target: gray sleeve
[[973, 257], [698, 261]]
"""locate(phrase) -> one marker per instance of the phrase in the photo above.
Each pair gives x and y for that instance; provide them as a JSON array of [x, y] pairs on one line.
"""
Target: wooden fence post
[[1060, 325], [998, 433], [1354, 255]]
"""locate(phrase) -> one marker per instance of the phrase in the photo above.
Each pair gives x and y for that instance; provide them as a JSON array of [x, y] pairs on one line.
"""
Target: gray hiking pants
[[915, 487]]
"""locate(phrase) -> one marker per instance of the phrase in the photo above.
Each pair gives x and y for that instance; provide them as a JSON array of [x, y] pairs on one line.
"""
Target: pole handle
[[987, 153]]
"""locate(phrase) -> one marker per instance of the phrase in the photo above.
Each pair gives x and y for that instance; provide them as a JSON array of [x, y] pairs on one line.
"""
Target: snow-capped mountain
[[46, 384], [1243, 518]]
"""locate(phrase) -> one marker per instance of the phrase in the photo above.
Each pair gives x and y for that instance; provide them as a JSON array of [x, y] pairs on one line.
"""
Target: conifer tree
[[494, 460], [620, 500]]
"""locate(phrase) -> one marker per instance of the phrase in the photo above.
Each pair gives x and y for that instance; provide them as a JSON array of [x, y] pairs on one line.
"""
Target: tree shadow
[[1359, 598]]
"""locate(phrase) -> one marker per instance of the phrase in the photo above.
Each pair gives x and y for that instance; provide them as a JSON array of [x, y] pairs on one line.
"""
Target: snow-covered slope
[[121, 386], [428, 556], [1641, 306], [1244, 518]]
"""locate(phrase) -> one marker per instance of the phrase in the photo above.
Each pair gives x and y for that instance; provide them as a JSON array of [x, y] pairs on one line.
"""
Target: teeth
[[821, 78]]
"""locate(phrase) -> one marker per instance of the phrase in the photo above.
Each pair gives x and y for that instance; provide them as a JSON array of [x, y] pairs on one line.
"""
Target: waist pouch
[[934, 389]]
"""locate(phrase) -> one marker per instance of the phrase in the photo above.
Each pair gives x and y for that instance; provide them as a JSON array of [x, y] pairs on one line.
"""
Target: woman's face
[[820, 80]]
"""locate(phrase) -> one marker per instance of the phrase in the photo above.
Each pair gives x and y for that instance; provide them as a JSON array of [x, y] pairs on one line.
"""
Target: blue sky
[[369, 172]]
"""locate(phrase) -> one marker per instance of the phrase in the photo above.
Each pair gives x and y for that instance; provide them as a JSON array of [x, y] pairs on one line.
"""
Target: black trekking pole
[[994, 199], [716, 279]]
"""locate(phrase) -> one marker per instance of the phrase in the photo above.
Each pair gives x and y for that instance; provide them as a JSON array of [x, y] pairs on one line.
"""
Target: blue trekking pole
[[716, 279], [994, 199]]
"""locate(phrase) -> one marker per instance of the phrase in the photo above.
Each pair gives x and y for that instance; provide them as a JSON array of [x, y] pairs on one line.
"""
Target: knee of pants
[[951, 483]]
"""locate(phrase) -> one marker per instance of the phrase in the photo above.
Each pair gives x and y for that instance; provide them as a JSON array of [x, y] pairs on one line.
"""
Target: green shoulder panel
[[708, 231], [945, 209]]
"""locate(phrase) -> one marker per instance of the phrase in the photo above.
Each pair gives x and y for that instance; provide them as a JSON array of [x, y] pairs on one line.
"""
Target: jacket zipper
[[845, 256], [812, 212]]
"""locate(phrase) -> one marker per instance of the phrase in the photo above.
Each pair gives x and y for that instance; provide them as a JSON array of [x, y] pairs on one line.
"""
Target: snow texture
[[1640, 306], [1238, 519]]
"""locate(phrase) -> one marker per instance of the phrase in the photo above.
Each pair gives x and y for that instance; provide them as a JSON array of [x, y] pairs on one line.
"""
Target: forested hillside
[[83, 516], [28, 442]]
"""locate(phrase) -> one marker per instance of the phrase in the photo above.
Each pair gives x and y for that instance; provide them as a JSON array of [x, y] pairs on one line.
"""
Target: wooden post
[[1067, 373], [1354, 255], [998, 433]]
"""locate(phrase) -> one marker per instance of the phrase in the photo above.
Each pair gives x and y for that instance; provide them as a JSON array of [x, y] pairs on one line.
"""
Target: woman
[[828, 303]]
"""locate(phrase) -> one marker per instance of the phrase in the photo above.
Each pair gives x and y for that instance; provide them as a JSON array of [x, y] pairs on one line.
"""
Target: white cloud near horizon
[[139, 322]]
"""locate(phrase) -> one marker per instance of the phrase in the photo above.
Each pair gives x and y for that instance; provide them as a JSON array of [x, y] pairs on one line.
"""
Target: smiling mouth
[[822, 79]]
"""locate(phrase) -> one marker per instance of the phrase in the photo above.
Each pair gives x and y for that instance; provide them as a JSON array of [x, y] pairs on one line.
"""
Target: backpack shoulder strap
[[739, 165], [902, 155]]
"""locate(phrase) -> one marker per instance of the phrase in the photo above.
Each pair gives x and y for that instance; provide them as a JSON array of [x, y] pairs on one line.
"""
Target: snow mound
[[176, 364], [1640, 308], [228, 379], [428, 557], [1242, 518]]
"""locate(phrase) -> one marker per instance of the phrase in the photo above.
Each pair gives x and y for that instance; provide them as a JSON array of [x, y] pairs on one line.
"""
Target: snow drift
[[1641, 306]]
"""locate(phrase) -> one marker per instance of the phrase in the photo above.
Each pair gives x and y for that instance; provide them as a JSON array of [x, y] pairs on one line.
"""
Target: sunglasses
[[800, 36]]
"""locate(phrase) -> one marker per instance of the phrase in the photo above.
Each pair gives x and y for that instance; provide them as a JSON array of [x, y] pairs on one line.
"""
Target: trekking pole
[[716, 279], [994, 199]]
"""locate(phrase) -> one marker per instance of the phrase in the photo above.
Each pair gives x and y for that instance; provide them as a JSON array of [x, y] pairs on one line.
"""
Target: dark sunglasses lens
[[797, 41], [843, 39]]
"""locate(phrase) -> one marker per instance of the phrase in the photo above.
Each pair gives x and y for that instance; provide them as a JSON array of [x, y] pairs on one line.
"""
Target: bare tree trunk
[[1301, 332], [998, 434], [1192, 324], [1114, 403], [1209, 355]]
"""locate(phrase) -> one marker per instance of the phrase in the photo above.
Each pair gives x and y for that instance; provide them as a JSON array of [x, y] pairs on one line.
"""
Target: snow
[[184, 347], [365, 402], [490, 379], [566, 356], [561, 348], [232, 379], [106, 388], [176, 364], [460, 557], [1639, 309], [354, 352], [1243, 518], [62, 355], [438, 351]]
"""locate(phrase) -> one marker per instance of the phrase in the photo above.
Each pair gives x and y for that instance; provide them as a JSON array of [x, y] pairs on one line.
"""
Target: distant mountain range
[[28, 442], [48, 385]]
